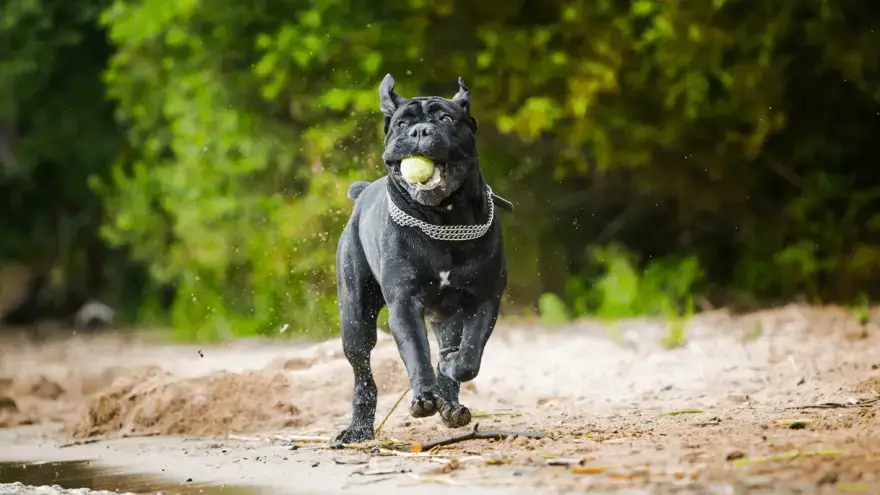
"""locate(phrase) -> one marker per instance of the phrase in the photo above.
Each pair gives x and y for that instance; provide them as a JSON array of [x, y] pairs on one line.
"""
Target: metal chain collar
[[443, 232]]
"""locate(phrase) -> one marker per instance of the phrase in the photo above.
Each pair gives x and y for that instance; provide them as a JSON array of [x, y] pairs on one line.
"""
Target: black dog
[[424, 251]]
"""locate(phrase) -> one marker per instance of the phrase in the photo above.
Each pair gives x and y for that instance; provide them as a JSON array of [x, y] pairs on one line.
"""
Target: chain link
[[443, 232]]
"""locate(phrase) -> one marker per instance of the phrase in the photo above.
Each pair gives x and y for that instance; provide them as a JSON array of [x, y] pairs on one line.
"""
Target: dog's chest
[[445, 292], [447, 284]]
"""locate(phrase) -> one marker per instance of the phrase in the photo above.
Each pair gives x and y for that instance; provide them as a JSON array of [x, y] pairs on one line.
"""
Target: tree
[[686, 127], [60, 132]]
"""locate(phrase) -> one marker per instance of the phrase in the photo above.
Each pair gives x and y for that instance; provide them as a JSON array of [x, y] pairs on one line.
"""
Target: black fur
[[457, 284]]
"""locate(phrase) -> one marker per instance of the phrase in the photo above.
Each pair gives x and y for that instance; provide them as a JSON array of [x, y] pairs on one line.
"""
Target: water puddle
[[87, 474]]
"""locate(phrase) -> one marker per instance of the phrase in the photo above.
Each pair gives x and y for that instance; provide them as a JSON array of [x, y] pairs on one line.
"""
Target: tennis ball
[[417, 169]]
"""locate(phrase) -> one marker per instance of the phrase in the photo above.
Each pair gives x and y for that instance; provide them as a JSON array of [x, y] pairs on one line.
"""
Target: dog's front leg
[[449, 333], [406, 317], [463, 365]]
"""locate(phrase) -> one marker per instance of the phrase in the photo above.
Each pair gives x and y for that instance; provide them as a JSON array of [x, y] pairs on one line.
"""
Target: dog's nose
[[421, 130]]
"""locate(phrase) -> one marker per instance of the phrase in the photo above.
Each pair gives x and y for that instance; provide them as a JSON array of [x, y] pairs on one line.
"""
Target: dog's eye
[[446, 118], [402, 123]]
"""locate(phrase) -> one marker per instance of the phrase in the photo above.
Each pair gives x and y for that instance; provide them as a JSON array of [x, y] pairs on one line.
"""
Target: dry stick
[[393, 408], [514, 414], [475, 434], [866, 402], [89, 441], [302, 438], [242, 438]]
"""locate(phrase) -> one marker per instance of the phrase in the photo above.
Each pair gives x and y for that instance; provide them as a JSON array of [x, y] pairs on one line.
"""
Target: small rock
[[94, 314], [736, 454], [828, 478]]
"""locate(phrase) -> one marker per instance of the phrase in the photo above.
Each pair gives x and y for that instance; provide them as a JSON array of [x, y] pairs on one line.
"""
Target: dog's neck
[[466, 206]]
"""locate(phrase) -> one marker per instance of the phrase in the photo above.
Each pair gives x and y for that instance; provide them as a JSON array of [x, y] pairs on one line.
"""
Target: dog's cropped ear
[[389, 101], [463, 98]]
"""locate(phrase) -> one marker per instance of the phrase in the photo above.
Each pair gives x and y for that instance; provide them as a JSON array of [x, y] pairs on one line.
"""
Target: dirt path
[[629, 414]]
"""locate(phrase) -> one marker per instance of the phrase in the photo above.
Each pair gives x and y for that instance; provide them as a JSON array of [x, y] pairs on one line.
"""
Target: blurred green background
[[186, 161]]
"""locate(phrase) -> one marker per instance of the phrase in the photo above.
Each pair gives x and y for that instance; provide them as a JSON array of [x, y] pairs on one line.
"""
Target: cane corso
[[429, 250]]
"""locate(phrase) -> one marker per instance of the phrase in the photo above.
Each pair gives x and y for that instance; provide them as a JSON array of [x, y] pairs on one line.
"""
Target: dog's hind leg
[[449, 332], [360, 300]]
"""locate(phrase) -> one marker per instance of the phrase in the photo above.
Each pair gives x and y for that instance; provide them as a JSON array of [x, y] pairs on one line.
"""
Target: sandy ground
[[718, 415]]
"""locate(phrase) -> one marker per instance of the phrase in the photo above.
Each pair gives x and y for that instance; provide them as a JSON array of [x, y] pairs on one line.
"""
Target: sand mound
[[21, 396], [10, 414], [152, 401], [106, 386]]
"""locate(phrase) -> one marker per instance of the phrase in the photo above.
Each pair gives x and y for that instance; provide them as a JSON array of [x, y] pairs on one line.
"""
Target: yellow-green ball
[[417, 169]]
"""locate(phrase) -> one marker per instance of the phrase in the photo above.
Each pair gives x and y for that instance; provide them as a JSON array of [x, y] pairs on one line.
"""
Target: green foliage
[[861, 310], [613, 287], [676, 331], [755, 333], [52, 97], [215, 141], [552, 309]]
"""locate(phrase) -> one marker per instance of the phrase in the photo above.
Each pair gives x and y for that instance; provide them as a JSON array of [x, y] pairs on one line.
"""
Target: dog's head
[[438, 128]]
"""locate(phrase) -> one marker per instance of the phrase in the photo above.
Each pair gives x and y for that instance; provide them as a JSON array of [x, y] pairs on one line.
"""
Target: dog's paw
[[425, 404], [351, 435], [455, 416]]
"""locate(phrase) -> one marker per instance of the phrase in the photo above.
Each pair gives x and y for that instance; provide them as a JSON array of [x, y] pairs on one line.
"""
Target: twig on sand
[[476, 434], [386, 446], [684, 411], [416, 447], [381, 471], [398, 453], [565, 461], [393, 408], [863, 402], [783, 457], [712, 422], [89, 441], [242, 438], [302, 438], [489, 414]]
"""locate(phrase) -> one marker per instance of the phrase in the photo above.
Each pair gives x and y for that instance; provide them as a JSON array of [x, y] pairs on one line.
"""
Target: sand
[[633, 414]]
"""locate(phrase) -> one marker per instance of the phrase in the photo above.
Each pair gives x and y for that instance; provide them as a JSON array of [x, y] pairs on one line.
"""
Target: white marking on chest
[[449, 207], [444, 279]]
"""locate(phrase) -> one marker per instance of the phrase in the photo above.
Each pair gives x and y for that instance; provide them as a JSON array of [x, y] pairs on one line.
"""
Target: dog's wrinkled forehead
[[425, 105], [393, 105]]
